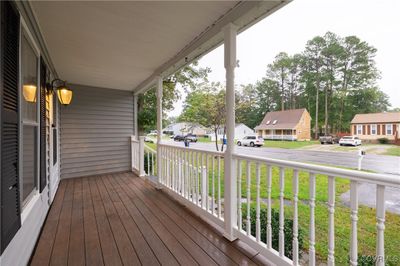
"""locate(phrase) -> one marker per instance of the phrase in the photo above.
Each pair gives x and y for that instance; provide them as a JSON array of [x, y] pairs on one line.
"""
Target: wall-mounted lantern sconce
[[29, 92], [64, 93]]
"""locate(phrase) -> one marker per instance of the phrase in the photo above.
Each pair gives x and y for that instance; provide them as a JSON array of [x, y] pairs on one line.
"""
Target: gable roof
[[287, 119], [376, 118]]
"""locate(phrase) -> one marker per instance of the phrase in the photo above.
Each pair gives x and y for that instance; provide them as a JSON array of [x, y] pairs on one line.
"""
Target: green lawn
[[367, 220], [288, 144], [395, 151]]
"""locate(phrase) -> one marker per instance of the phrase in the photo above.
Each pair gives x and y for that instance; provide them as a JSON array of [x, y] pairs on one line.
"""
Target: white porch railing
[[280, 137], [150, 161], [135, 154], [196, 178]]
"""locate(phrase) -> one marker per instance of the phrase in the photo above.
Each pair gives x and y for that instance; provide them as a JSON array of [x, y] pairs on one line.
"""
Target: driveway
[[371, 162]]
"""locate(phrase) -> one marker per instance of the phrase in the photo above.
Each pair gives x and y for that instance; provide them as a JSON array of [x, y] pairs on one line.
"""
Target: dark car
[[179, 138], [328, 139], [191, 138]]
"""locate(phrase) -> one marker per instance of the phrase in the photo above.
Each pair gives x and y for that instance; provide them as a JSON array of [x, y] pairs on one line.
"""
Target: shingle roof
[[392, 117], [287, 119]]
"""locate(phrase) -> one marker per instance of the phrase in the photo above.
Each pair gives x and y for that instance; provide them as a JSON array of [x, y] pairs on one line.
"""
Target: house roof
[[287, 119], [126, 44], [376, 118]]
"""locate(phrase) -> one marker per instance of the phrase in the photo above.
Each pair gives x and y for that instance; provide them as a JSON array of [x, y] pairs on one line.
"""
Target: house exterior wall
[[303, 128], [368, 134], [95, 131], [242, 130]]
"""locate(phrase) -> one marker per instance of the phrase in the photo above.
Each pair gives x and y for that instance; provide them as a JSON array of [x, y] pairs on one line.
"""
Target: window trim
[[374, 127], [26, 203], [359, 128], [391, 129]]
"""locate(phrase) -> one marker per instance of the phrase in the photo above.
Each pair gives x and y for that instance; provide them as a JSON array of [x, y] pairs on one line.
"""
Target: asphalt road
[[376, 163]]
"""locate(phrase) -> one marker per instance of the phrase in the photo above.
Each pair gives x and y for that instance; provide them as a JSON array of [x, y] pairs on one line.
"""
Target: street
[[371, 162]]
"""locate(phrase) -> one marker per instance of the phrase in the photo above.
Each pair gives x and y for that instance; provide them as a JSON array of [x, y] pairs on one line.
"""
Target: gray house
[[78, 186]]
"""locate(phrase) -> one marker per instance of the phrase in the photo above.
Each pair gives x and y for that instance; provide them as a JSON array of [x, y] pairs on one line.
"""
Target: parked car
[[191, 137], [350, 140], [179, 138], [152, 133], [251, 141], [328, 139], [149, 140]]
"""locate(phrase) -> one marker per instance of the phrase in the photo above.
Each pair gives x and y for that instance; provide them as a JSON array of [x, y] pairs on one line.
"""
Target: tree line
[[334, 78]]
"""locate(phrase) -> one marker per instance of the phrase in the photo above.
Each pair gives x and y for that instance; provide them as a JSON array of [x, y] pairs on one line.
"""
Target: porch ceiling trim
[[243, 15]]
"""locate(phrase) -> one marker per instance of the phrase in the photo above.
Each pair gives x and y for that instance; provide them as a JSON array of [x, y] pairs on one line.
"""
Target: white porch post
[[230, 215], [135, 116], [159, 94]]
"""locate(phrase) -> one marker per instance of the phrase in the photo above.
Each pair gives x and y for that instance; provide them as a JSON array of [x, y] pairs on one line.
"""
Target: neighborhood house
[[286, 125], [241, 130], [371, 127]]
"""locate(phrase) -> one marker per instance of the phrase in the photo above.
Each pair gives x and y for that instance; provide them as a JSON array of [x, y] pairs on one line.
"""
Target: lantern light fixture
[[64, 93], [29, 92]]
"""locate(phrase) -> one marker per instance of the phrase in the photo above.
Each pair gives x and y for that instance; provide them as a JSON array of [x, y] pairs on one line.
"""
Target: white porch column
[[159, 94], [230, 215], [135, 116]]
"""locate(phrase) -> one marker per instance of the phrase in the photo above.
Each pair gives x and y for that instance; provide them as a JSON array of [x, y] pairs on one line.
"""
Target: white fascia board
[[243, 15]]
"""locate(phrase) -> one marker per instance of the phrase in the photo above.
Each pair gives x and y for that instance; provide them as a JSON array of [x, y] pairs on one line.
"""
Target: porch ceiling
[[122, 44]]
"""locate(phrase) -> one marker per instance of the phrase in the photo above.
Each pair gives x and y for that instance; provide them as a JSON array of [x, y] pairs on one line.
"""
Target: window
[[389, 129], [373, 129], [268, 122], [359, 130], [274, 122], [29, 119]]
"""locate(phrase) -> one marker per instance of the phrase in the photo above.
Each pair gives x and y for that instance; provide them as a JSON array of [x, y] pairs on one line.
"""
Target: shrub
[[288, 229], [383, 140]]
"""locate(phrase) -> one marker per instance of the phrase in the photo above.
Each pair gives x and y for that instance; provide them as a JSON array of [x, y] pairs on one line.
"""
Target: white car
[[350, 140], [251, 141]]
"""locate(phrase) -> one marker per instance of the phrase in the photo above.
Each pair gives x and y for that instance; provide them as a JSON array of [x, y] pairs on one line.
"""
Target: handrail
[[381, 179]]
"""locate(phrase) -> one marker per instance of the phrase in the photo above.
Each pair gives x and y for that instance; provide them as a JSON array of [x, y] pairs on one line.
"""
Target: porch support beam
[[159, 94], [230, 215], [135, 116]]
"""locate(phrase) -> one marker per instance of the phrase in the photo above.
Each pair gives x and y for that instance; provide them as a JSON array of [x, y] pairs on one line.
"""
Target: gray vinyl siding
[[95, 131]]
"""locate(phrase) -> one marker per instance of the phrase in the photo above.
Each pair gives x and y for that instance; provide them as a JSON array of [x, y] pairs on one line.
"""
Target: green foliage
[[288, 230], [188, 78], [383, 140], [334, 78]]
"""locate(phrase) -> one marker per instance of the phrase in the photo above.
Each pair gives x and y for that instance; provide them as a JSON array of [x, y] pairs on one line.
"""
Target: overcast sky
[[288, 29]]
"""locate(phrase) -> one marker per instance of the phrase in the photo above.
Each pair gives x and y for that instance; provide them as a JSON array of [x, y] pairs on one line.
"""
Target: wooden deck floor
[[119, 219]]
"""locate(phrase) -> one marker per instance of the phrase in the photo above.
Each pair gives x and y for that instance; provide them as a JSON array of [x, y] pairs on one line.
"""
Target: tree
[[313, 71], [206, 106], [188, 78]]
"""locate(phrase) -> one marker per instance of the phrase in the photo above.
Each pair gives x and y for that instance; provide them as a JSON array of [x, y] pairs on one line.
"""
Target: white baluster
[[213, 185], [295, 217], [152, 164], [354, 219], [281, 212], [219, 187], [248, 187], [198, 172], [203, 180], [380, 225], [148, 162], [331, 230], [312, 221], [258, 229], [239, 195], [207, 185], [269, 227]]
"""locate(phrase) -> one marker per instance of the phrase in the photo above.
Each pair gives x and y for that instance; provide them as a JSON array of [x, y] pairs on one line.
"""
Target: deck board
[[120, 219]]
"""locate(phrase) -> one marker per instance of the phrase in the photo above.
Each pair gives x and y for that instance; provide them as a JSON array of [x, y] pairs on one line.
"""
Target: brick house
[[370, 127], [286, 125]]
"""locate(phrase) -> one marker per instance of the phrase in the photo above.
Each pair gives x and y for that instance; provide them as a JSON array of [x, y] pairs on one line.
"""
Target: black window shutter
[[9, 90], [43, 80]]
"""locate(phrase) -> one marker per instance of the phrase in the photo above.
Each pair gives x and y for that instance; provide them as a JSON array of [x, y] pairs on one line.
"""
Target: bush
[[288, 229], [383, 140]]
